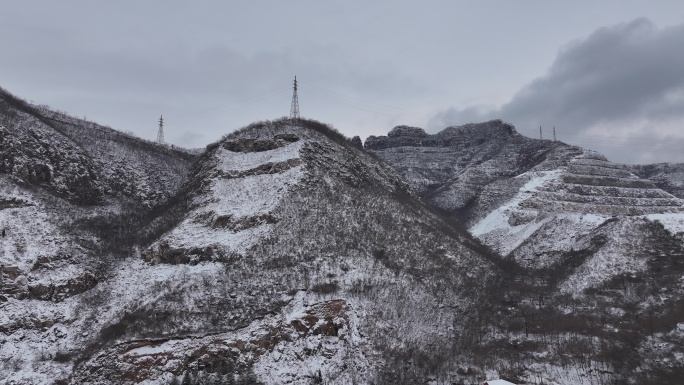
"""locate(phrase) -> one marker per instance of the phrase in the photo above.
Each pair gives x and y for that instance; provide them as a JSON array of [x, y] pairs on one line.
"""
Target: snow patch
[[239, 161], [495, 227], [673, 222], [238, 199]]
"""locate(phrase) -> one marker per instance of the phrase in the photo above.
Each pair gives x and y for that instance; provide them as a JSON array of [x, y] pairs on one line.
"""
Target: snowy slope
[[268, 271], [592, 250], [82, 161], [287, 254]]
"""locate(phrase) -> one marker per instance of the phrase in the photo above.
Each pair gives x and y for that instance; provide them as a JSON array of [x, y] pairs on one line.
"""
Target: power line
[[251, 99], [353, 99], [348, 104]]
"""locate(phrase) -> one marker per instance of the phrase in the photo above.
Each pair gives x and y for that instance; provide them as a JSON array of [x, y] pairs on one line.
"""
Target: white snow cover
[[288, 363], [339, 358], [616, 257], [29, 231], [239, 199], [498, 382], [251, 195], [495, 226], [135, 284], [673, 222], [243, 161]]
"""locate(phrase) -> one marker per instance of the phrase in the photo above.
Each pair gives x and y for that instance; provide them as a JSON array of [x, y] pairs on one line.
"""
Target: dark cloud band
[[624, 74]]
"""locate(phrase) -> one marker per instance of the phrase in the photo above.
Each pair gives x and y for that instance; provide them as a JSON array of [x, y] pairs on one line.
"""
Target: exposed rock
[[323, 330], [60, 291], [259, 145], [227, 222], [165, 253], [287, 137], [8, 203], [455, 136], [266, 168], [356, 142], [407, 131]]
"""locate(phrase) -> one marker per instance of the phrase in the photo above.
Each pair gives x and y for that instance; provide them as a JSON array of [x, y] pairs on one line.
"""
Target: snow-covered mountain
[[531, 200], [570, 222], [667, 176], [286, 254]]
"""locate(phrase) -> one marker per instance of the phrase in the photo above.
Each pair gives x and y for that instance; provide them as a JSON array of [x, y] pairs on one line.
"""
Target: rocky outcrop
[[467, 135], [259, 145], [356, 142], [37, 156], [401, 136], [400, 131], [451, 167], [266, 168], [59, 291], [324, 332]]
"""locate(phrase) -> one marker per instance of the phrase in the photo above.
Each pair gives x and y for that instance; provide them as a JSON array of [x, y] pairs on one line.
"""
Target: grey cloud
[[625, 73]]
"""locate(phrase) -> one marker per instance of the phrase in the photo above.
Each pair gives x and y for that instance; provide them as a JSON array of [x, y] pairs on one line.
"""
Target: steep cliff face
[[450, 168]]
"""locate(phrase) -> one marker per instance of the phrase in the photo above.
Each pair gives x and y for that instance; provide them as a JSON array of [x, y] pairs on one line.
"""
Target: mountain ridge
[[284, 253]]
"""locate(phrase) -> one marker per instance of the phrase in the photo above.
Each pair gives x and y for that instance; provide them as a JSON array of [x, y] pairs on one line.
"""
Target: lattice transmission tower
[[294, 108], [160, 133]]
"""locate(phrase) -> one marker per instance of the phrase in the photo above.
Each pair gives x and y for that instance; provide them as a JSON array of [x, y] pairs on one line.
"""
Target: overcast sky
[[609, 75]]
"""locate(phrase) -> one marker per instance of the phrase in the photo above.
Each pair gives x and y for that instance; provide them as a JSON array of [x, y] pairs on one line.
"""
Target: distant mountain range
[[286, 253]]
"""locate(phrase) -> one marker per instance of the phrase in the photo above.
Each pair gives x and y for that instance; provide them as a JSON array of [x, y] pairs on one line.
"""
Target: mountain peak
[[407, 131], [468, 134], [490, 129]]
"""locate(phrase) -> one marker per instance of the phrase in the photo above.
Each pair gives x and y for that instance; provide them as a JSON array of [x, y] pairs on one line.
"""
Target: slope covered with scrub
[[589, 243], [284, 253], [289, 254]]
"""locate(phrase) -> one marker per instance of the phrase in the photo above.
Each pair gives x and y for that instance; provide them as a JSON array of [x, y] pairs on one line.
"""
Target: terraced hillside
[[667, 176], [589, 246]]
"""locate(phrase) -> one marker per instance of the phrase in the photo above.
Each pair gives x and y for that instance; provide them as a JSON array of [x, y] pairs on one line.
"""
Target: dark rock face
[[61, 291], [356, 141], [37, 156], [137, 361], [259, 145], [266, 168], [407, 131], [454, 136], [450, 168]]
